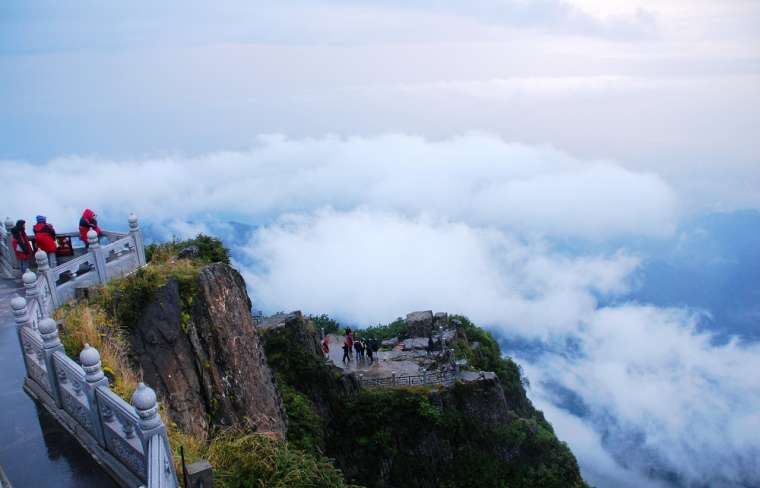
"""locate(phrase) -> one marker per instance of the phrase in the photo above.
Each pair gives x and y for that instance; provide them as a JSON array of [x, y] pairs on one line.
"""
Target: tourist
[[44, 236], [21, 245], [346, 349], [358, 349], [430, 345], [370, 353], [350, 341], [87, 222], [326, 347]]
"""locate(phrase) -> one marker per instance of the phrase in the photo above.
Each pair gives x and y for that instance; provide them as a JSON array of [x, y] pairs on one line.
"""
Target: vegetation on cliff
[[481, 434]]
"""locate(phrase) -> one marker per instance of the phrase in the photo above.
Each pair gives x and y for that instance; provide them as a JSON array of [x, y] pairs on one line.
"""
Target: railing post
[[158, 461], [393, 377], [51, 344], [29, 280], [424, 376], [134, 231], [12, 260], [43, 268], [94, 377], [6, 266], [97, 252], [18, 304]]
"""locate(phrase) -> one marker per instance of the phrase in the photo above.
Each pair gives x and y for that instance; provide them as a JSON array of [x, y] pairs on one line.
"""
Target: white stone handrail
[[72, 267], [130, 441]]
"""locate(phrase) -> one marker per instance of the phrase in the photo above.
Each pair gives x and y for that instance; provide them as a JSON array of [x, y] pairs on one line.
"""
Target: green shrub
[[397, 328], [323, 321], [258, 461], [211, 250]]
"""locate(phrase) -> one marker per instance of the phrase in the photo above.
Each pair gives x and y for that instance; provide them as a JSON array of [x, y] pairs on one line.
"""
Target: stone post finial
[[90, 359], [133, 224], [42, 260], [18, 304], [8, 224], [49, 331], [29, 279], [92, 238], [144, 401]]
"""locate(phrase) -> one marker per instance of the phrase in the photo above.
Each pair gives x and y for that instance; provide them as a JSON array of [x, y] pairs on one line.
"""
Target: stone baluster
[[48, 276], [160, 470], [97, 252], [51, 344], [11, 254], [20, 316], [94, 377], [29, 280], [134, 231]]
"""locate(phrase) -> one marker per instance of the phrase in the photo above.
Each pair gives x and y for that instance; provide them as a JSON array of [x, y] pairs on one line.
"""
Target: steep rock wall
[[203, 355]]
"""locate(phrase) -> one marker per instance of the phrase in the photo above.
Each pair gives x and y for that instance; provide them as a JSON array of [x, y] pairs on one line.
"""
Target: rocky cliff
[[197, 345], [479, 434]]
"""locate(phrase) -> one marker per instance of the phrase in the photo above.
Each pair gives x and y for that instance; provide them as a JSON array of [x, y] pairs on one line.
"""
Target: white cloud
[[476, 178]]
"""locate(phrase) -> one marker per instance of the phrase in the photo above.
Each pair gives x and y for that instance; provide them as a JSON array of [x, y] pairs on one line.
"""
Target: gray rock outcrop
[[205, 359], [420, 324]]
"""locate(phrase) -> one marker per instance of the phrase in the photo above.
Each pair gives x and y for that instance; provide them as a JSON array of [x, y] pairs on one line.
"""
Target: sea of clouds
[[369, 228]]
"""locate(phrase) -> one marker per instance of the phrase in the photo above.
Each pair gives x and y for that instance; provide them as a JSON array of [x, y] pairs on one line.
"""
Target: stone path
[[34, 450], [386, 362]]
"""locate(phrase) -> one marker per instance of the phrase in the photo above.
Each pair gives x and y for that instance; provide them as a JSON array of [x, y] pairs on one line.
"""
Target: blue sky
[[548, 168]]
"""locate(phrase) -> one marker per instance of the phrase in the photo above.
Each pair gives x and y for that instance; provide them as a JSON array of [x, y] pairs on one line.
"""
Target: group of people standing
[[46, 239], [364, 349]]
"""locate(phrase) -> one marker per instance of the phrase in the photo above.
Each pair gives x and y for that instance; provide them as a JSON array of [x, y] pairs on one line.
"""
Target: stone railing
[[98, 264], [129, 441], [8, 262], [438, 377]]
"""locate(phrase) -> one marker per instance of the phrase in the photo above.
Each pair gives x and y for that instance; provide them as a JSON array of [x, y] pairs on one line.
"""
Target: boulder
[[420, 324], [441, 319], [189, 252]]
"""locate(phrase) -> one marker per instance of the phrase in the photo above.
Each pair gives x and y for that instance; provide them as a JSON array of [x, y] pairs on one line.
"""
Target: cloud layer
[[476, 178]]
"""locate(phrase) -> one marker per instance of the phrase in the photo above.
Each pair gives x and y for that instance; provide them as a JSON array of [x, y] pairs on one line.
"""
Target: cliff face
[[199, 348]]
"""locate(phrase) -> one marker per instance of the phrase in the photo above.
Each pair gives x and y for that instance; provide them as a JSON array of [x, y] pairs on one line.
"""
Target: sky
[[503, 159]]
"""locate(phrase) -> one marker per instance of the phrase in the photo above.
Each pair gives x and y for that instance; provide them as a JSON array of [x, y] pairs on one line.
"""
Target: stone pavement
[[385, 363], [34, 450]]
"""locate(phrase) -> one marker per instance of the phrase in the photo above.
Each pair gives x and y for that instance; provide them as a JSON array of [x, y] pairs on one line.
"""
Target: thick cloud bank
[[475, 178]]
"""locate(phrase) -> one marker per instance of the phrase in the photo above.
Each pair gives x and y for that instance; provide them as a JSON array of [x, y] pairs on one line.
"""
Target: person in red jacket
[[44, 236], [87, 222], [326, 347], [21, 245]]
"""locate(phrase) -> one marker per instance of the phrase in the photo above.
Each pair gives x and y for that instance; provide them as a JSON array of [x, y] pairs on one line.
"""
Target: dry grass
[[86, 323]]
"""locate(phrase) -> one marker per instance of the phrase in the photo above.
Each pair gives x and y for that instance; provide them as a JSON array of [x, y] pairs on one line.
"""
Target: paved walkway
[[385, 363], [34, 450]]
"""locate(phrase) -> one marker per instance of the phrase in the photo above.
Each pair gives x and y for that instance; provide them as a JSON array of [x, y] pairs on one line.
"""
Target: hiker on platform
[[370, 352], [346, 349], [44, 236], [88, 221], [350, 341], [358, 349], [21, 245], [326, 347]]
